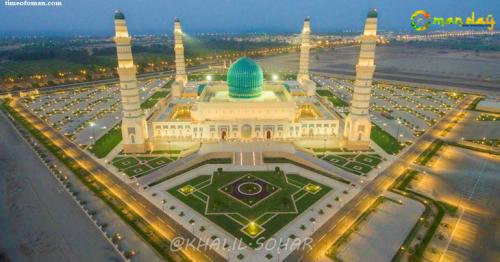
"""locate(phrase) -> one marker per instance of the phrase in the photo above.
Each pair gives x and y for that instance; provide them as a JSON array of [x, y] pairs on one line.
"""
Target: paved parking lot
[[73, 111]]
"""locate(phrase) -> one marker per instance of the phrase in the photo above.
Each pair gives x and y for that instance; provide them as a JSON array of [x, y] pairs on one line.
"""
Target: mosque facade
[[243, 108]]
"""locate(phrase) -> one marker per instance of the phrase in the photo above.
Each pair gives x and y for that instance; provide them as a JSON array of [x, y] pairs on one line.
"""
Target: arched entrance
[[268, 134], [359, 136], [223, 135], [246, 131]]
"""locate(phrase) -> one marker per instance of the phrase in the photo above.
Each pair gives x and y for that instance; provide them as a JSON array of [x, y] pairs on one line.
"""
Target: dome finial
[[119, 15], [373, 13], [308, 18]]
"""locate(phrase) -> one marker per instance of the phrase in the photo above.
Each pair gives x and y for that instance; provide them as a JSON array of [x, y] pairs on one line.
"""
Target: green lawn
[[429, 152], [383, 139], [139, 166], [233, 214], [358, 167], [336, 160], [371, 160], [336, 101], [358, 164], [151, 101], [159, 162], [125, 162], [107, 142]]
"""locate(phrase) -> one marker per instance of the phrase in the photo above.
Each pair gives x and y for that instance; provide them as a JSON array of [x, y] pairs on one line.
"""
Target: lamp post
[[163, 205], [399, 124], [92, 124]]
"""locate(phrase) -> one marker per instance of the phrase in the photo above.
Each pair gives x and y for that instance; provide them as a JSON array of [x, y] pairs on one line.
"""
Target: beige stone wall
[[134, 128]]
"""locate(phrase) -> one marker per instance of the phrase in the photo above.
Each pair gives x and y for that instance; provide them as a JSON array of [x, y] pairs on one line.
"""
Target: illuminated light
[[209, 78]]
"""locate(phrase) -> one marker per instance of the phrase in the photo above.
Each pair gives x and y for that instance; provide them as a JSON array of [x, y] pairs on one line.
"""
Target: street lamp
[[209, 78], [275, 77], [163, 205], [92, 124], [399, 125]]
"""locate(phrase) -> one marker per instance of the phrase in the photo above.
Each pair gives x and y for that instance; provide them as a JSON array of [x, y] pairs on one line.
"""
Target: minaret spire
[[180, 67], [357, 124], [303, 75], [304, 52], [133, 123]]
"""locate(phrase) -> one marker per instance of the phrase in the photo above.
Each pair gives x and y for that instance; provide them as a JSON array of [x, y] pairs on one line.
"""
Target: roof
[[245, 78]]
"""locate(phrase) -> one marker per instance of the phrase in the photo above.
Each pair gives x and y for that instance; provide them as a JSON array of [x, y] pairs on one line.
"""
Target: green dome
[[245, 79], [119, 15], [372, 13]]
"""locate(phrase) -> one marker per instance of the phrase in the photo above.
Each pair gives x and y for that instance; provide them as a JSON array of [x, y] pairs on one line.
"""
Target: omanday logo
[[421, 20]]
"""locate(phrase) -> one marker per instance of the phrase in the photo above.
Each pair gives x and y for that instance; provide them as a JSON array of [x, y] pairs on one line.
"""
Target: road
[[161, 222], [325, 236]]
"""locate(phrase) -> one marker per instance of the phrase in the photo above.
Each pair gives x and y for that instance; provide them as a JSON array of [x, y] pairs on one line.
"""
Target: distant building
[[490, 104]]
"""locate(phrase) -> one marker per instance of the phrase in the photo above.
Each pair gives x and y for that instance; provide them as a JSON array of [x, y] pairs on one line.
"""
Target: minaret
[[134, 129], [357, 124], [303, 75], [180, 67]]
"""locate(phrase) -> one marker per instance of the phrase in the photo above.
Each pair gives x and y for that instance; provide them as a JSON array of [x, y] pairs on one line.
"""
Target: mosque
[[244, 108]]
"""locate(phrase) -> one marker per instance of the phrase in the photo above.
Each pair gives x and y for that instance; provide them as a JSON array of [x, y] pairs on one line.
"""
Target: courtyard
[[250, 204]]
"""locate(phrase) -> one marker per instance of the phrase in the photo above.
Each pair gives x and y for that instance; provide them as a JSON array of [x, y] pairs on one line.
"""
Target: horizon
[[237, 17]]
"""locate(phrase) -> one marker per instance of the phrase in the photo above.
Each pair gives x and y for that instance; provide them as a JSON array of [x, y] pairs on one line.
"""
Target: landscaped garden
[[358, 164], [384, 140], [336, 101], [107, 142], [250, 205], [429, 152], [152, 100], [488, 117], [134, 166]]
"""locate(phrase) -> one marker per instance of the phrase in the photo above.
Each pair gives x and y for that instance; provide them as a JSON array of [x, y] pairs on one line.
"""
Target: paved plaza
[[314, 214]]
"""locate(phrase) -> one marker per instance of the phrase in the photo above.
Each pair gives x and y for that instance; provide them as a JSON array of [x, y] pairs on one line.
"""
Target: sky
[[95, 17]]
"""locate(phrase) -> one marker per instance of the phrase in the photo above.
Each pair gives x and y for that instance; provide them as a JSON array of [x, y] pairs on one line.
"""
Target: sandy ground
[[38, 220], [454, 68]]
